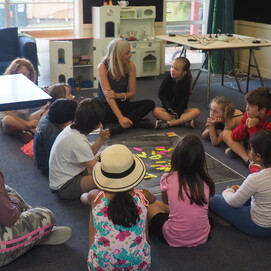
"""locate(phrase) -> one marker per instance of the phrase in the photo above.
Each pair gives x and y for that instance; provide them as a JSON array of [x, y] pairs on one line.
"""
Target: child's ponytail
[[229, 111], [122, 210]]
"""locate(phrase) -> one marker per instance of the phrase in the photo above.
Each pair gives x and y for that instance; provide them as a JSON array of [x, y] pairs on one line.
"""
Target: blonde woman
[[117, 87]]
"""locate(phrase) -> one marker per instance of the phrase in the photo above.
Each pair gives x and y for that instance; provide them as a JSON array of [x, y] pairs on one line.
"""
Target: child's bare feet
[[161, 124], [190, 124]]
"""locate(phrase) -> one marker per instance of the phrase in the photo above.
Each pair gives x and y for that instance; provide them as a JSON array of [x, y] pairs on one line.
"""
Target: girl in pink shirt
[[181, 220]]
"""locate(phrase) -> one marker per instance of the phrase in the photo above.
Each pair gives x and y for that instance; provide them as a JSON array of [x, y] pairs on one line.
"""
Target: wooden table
[[18, 92], [223, 43]]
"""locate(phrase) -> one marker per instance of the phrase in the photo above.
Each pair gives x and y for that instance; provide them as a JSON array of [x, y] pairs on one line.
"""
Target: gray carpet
[[155, 150], [228, 249]]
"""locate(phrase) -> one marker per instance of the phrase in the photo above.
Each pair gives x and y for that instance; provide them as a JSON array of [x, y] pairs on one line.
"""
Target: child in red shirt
[[257, 117]]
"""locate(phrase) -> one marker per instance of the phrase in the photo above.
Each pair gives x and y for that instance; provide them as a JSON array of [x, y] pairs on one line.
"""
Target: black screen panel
[[252, 11]]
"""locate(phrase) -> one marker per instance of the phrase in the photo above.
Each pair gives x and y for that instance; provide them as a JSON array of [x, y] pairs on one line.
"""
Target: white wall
[[263, 56]]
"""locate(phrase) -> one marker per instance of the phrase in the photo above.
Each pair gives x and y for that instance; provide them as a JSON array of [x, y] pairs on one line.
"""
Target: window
[[186, 17], [37, 14]]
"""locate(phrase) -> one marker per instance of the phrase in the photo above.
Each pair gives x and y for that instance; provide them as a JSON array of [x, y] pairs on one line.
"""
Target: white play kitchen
[[135, 24]]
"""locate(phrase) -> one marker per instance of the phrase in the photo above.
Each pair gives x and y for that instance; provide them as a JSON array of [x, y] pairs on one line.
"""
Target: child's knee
[[216, 201], [7, 128], [38, 216], [226, 135], [196, 112], [157, 111]]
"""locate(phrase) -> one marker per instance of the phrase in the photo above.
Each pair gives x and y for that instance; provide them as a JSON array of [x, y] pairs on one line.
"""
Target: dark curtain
[[220, 17]]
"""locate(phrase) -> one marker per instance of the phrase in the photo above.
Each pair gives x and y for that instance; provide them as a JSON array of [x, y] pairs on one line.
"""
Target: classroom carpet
[[155, 150], [228, 249]]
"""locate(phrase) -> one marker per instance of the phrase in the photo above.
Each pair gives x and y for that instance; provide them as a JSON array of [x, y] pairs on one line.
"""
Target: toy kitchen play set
[[135, 24], [75, 60]]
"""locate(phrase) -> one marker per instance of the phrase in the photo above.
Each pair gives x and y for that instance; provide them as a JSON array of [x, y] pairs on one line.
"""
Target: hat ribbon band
[[119, 175]]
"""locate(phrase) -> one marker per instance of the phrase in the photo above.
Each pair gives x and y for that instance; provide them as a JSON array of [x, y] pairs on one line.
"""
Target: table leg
[[248, 69], [223, 63], [252, 55], [257, 67], [209, 77], [200, 70], [229, 58]]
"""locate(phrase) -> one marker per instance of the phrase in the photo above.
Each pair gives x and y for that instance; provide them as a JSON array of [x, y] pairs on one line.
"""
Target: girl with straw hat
[[118, 221]]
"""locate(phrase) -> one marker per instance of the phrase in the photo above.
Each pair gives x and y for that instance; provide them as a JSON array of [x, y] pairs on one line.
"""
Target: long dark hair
[[260, 142], [188, 159], [122, 210]]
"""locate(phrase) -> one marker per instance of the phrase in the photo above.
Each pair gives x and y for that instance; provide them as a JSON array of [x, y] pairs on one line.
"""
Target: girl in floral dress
[[118, 221]]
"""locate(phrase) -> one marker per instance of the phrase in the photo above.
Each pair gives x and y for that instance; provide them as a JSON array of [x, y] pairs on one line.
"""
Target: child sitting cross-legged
[[174, 94], [118, 219], [61, 114], [248, 207], [21, 122], [181, 219], [22, 226], [72, 156]]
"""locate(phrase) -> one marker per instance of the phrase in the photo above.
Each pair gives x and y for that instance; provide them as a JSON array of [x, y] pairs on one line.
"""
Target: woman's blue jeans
[[239, 217]]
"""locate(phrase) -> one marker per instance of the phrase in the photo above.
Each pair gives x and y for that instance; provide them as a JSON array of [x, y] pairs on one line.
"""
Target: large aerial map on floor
[[155, 150]]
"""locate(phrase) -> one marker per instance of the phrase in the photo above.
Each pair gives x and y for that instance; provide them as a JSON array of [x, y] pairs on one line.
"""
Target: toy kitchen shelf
[[137, 12], [128, 13], [75, 60]]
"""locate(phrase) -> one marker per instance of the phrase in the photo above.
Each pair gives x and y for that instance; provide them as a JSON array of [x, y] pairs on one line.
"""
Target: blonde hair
[[57, 91], [15, 66], [115, 51], [226, 106]]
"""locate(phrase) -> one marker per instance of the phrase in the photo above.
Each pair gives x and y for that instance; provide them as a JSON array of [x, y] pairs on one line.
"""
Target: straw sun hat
[[119, 169]]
